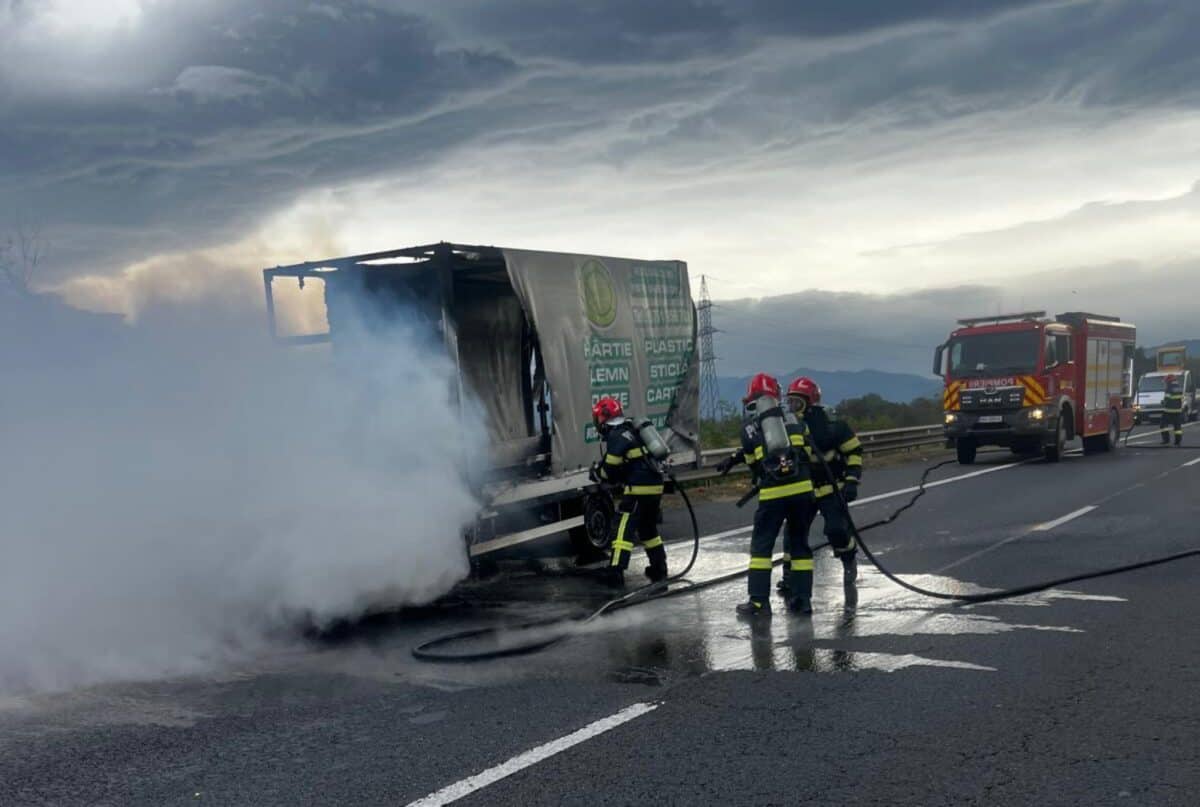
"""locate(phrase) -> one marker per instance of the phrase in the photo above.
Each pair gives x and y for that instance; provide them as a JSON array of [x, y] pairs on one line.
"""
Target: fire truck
[[1032, 384]]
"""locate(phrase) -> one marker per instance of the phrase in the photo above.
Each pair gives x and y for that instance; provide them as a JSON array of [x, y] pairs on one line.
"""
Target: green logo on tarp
[[599, 296]]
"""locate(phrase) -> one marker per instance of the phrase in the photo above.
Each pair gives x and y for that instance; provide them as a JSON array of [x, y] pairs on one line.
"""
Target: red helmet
[[761, 384], [805, 387], [605, 410]]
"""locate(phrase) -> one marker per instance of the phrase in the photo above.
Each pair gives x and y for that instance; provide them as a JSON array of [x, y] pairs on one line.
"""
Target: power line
[[710, 397]]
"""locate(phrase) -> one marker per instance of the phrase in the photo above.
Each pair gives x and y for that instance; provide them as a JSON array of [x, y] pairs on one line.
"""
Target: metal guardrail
[[876, 442]]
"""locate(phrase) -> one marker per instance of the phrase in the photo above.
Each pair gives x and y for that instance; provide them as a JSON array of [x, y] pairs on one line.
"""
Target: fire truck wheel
[[1055, 450], [966, 450], [1112, 440]]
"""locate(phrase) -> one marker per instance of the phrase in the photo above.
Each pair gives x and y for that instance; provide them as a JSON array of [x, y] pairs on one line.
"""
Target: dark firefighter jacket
[[1173, 401], [627, 462], [776, 477], [840, 447]]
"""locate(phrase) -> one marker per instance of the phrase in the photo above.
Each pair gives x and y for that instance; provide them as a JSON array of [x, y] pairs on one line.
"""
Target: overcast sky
[[1048, 151]]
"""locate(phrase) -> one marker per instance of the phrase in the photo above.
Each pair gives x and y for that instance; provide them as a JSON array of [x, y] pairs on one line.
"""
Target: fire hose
[[655, 591], [429, 651]]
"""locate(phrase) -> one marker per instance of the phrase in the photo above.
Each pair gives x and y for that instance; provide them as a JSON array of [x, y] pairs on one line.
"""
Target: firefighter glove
[[725, 465], [851, 491], [594, 473]]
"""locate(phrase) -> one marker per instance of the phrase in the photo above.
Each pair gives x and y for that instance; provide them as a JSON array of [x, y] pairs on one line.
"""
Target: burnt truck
[[536, 338]]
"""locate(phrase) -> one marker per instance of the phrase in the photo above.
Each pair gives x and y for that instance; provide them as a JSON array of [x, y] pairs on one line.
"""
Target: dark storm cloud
[[192, 125], [837, 17], [898, 332]]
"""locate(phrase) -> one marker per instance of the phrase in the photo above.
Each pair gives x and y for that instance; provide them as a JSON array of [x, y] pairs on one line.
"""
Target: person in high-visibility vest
[[842, 468], [774, 446], [1172, 416], [628, 464]]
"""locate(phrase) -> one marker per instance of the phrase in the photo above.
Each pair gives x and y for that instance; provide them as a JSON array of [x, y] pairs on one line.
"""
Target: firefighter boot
[[800, 605], [850, 580], [785, 584], [614, 577], [754, 609], [657, 555]]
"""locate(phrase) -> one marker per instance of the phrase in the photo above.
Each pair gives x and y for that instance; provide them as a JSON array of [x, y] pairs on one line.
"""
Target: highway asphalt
[[1084, 696]]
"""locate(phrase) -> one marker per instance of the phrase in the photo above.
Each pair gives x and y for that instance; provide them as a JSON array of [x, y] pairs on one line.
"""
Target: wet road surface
[[1087, 696]]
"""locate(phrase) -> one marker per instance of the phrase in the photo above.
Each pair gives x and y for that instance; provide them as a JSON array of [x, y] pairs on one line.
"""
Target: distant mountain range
[[838, 385]]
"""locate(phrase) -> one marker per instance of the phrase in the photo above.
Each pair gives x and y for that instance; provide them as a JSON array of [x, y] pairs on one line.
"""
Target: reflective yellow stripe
[[830, 455], [760, 564], [634, 453], [849, 445], [613, 459], [802, 565], [619, 543], [824, 490], [796, 439], [653, 542], [621, 531], [854, 461], [643, 490], [782, 491], [759, 452]]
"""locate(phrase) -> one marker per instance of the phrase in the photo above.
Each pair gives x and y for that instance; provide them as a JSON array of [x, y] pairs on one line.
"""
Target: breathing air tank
[[652, 440], [770, 422]]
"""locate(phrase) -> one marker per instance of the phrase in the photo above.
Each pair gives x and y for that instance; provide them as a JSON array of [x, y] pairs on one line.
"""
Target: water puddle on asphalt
[[656, 643]]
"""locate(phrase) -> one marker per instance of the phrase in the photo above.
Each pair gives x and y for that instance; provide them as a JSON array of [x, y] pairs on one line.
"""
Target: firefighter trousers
[[1172, 422], [837, 532], [638, 516], [794, 514]]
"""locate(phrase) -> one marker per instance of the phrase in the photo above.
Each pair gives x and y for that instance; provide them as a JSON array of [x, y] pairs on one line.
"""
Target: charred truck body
[[537, 338], [1031, 383]]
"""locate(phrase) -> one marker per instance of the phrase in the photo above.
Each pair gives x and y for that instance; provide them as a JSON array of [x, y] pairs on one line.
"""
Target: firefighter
[[627, 462], [774, 448], [1172, 416], [843, 455]]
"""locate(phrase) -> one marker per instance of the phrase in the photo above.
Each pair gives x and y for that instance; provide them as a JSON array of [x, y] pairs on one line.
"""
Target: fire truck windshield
[[994, 353]]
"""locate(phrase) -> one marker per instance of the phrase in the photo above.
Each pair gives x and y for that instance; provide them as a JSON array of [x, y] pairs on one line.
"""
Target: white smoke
[[175, 492]]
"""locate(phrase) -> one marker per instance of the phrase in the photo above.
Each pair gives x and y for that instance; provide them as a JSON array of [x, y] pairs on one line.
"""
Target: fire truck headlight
[[951, 418], [1037, 413]]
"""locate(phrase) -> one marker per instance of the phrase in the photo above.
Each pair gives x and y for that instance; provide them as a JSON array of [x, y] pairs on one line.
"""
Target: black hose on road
[[427, 651], [655, 591], [989, 596]]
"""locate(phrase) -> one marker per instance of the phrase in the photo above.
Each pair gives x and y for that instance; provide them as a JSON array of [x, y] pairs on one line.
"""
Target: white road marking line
[[880, 496], [938, 483], [893, 494], [1058, 522], [1190, 464], [533, 756]]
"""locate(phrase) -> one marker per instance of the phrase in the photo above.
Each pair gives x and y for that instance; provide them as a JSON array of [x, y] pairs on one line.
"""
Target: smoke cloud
[[181, 492]]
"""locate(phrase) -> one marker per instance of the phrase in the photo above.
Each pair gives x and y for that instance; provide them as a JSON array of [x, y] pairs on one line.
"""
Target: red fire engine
[[1032, 383]]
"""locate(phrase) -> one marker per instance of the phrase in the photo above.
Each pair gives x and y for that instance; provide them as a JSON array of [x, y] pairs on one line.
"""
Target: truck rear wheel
[[966, 450], [599, 513], [1055, 450]]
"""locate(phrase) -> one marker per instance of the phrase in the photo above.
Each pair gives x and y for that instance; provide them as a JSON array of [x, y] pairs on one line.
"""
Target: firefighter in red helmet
[[842, 453], [1172, 416], [773, 445], [628, 463]]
